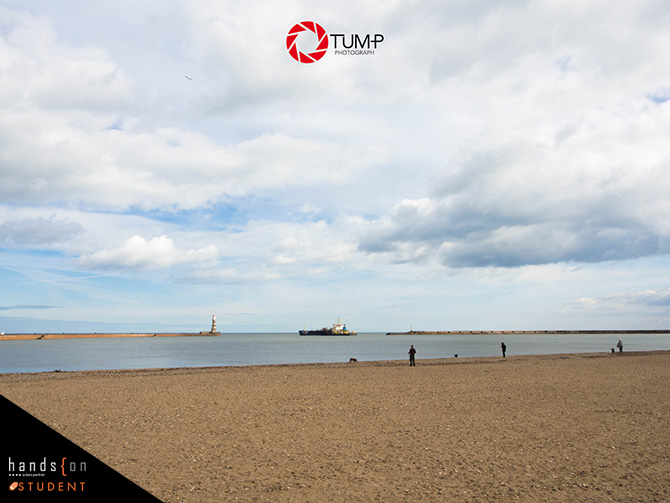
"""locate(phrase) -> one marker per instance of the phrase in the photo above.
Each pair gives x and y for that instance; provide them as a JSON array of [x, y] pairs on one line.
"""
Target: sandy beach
[[589, 427]]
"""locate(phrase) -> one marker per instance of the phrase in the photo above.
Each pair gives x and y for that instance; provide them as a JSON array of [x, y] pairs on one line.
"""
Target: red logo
[[315, 54]]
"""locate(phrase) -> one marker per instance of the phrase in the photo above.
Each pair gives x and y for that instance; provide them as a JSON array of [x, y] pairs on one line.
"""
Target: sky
[[491, 166]]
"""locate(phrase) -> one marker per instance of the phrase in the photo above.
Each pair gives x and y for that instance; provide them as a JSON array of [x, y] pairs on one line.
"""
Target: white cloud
[[73, 132], [38, 70], [484, 143], [597, 195], [651, 301], [138, 253], [37, 232]]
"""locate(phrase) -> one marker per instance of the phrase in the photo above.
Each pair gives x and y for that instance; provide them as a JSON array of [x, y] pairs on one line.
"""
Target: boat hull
[[326, 333]]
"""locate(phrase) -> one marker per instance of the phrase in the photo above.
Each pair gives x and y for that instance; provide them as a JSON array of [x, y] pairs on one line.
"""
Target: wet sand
[[531, 428]]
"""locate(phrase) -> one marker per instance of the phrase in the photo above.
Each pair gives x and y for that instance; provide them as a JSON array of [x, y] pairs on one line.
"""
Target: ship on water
[[337, 329]]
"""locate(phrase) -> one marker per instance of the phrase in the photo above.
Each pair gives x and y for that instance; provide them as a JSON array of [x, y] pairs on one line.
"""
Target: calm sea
[[279, 348]]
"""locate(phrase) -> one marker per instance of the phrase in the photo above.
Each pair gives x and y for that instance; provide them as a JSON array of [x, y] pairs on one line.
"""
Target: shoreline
[[464, 360], [558, 427]]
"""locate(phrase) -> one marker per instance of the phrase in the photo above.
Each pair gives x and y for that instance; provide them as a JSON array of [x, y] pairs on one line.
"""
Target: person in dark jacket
[[620, 346], [504, 348], [412, 352]]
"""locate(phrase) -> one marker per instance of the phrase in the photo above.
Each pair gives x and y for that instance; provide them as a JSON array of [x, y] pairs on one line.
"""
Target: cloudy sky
[[493, 165]]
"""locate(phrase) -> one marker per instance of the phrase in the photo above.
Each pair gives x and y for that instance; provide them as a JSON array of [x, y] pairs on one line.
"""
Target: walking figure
[[504, 348], [412, 352], [620, 346]]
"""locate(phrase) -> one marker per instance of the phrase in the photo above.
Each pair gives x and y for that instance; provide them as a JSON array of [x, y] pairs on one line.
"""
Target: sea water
[[282, 348]]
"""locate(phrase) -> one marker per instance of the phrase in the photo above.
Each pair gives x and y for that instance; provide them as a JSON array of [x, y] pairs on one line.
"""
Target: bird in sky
[[189, 78]]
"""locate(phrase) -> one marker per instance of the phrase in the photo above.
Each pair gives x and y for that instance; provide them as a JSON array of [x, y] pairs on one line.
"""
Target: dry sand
[[567, 428]]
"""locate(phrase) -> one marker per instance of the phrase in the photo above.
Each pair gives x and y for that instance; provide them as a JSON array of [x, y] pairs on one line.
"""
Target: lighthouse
[[213, 324]]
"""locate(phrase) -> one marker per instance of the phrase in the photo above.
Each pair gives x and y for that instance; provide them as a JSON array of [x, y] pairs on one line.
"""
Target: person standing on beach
[[412, 352], [504, 348], [620, 346]]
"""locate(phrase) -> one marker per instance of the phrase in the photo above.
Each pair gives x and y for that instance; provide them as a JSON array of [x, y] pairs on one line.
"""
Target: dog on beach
[[352, 360]]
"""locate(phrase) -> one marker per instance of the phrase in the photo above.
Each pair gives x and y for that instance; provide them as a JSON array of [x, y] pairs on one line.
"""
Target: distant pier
[[42, 336], [22, 337], [525, 332]]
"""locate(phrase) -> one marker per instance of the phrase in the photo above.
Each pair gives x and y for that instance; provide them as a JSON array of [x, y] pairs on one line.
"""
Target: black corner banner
[[42, 465]]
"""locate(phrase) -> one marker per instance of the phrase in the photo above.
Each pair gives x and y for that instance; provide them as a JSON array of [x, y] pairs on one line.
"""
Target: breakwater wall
[[36, 336], [525, 332]]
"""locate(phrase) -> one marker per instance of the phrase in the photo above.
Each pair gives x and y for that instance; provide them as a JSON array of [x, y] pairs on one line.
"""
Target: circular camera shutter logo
[[316, 54]]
